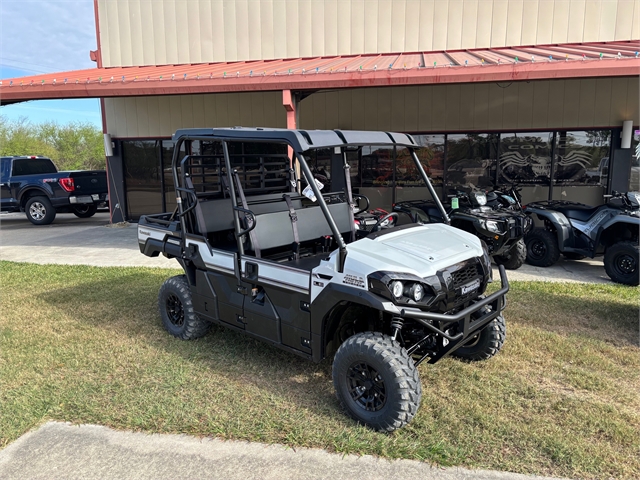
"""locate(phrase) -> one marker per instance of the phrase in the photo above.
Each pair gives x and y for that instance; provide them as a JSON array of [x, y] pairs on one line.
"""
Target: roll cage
[[298, 142]]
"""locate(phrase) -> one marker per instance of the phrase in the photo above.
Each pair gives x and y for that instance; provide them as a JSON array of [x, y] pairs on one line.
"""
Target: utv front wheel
[[514, 258], [376, 381], [176, 310], [621, 263], [542, 248], [485, 344]]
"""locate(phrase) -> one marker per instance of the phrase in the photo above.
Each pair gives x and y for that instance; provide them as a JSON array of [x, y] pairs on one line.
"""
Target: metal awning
[[603, 59]]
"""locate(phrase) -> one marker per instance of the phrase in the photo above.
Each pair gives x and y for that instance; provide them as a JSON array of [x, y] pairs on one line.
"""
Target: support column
[[289, 103]]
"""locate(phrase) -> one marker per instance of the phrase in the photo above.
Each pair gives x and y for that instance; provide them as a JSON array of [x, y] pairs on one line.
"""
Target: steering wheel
[[388, 216]]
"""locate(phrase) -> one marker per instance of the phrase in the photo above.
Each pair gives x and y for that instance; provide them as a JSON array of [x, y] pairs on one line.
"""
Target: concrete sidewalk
[[62, 451], [74, 241]]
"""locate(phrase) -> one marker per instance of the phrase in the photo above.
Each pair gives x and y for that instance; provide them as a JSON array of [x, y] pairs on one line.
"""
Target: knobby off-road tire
[[85, 211], [486, 344], [621, 263], [542, 248], [376, 381], [176, 310], [40, 211], [514, 258]]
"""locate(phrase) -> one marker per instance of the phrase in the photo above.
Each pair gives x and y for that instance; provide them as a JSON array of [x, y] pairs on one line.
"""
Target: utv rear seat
[[274, 226]]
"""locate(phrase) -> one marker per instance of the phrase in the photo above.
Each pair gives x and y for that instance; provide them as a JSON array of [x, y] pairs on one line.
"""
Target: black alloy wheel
[[366, 387], [175, 310]]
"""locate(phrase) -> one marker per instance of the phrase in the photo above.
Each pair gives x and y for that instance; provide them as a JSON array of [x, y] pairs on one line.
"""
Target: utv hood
[[420, 249]]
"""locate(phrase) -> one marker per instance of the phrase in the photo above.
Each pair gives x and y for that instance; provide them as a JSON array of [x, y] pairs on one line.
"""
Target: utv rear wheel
[[376, 381], [485, 344], [40, 211], [176, 310], [542, 248], [621, 263], [85, 211], [514, 258]]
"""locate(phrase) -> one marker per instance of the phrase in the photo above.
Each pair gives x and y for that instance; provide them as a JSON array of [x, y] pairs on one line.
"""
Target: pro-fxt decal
[[354, 280]]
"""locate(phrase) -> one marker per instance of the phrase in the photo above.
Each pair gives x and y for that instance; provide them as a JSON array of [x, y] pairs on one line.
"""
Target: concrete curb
[[61, 450]]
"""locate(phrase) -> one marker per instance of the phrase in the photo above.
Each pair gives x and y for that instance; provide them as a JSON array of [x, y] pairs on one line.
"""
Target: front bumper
[[465, 318]]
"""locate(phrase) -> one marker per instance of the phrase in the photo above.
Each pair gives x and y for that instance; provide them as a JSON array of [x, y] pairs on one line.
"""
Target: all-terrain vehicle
[[578, 231], [500, 225], [288, 268]]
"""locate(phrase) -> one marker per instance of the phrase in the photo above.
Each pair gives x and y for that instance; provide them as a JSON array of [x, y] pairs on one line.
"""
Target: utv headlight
[[492, 226], [417, 292], [396, 289], [480, 198]]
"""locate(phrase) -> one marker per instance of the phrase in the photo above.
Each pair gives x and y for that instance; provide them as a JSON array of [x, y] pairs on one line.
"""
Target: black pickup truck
[[33, 185]]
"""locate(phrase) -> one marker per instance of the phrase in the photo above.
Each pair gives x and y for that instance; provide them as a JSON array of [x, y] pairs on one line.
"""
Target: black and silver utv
[[285, 264]]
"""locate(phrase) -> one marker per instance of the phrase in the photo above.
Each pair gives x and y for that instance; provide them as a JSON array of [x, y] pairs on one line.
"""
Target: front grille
[[465, 275]]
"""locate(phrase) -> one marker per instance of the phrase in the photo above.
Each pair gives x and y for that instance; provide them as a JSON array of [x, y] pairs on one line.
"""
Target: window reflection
[[471, 159], [582, 158], [525, 158], [142, 177], [634, 178], [431, 156]]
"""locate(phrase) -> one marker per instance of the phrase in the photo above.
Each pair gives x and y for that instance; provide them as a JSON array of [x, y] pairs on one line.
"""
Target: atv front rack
[[496, 301]]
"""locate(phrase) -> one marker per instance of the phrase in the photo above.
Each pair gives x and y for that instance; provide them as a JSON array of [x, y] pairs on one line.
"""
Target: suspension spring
[[396, 326]]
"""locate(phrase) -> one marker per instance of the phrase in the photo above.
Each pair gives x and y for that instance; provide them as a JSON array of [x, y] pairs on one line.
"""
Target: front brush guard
[[497, 301]]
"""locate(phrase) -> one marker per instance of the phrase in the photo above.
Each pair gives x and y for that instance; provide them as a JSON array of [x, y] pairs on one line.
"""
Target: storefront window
[[142, 175], [582, 158], [525, 158], [377, 166], [431, 156], [471, 159]]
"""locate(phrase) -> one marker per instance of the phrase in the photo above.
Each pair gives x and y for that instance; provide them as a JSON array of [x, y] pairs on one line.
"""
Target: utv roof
[[301, 140]]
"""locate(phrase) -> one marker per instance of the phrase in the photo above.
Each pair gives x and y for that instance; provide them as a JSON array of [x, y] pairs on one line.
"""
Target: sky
[[39, 36]]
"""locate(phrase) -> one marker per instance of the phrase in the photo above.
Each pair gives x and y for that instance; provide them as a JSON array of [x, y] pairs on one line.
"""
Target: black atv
[[578, 231], [501, 224]]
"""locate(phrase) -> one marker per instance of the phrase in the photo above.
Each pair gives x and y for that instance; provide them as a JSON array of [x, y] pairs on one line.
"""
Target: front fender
[[627, 220], [559, 221]]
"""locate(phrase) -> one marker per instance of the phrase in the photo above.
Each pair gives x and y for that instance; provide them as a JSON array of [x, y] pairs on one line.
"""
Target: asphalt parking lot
[[94, 241]]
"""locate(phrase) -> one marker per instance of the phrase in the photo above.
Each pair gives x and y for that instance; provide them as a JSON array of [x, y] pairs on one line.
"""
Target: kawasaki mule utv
[[287, 267]]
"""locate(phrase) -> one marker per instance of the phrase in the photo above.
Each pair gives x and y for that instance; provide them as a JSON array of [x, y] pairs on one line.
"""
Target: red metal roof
[[605, 59]]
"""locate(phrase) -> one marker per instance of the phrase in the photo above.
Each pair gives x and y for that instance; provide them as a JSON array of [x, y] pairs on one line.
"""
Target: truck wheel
[[40, 211], [621, 263], [542, 248], [514, 258], [376, 381], [176, 310], [85, 211], [573, 256], [485, 344]]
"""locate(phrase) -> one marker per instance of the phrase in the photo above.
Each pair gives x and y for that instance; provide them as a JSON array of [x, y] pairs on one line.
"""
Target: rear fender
[[33, 191]]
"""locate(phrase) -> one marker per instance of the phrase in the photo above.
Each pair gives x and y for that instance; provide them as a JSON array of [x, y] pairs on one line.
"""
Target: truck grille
[[465, 275]]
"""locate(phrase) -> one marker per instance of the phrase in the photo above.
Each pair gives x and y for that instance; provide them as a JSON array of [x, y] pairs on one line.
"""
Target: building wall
[[164, 32], [161, 116], [544, 104]]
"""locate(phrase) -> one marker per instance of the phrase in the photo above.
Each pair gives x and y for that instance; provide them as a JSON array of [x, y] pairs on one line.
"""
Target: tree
[[74, 146]]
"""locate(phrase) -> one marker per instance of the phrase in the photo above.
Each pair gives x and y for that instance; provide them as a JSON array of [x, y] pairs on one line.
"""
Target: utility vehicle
[[286, 266], [578, 231]]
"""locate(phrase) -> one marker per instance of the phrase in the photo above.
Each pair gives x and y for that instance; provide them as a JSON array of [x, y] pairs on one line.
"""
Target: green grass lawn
[[85, 345]]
